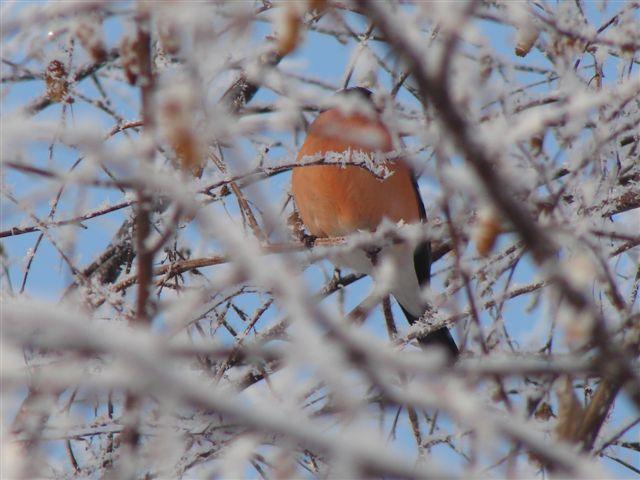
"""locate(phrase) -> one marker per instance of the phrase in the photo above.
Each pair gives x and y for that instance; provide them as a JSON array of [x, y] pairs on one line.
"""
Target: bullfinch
[[336, 200]]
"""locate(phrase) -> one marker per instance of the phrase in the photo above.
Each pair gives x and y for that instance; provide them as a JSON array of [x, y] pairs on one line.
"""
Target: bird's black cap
[[354, 92], [363, 92]]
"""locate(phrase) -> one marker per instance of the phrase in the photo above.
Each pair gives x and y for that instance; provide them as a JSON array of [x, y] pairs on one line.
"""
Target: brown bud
[[289, 31], [487, 231], [285, 466], [294, 222], [186, 148], [169, 36], [535, 460], [318, 5], [486, 67], [496, 395], [570, 412], [544, 412], [536, 143], [56, 80], [526, 38], [563, 46], [89, 33], [179, 128], [598, 81], [129, 59]]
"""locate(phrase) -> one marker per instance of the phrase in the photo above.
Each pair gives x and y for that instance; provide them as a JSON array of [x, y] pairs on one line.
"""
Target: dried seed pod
[[129, 59], [536, 142], [56, 80], [187, 150], [285, 465], [294, 222], [89, 33], [290, 20], [487, 231], [486, 67], [169, 36], [180, 132], [563, 46], [318, 5], [544, 412], [526, 38], [570, 412], [577, 327]]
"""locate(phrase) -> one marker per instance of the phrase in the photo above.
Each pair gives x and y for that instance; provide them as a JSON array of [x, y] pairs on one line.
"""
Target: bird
[[337, 200]]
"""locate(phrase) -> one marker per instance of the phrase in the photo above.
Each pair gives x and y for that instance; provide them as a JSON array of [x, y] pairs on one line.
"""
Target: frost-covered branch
[[172, 317]]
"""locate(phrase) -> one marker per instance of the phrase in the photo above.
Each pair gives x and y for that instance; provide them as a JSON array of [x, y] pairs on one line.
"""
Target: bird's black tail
[[422, 265], [441, 337]]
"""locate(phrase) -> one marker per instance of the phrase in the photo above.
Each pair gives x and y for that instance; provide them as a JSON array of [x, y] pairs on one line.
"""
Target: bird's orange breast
[[335, 200]]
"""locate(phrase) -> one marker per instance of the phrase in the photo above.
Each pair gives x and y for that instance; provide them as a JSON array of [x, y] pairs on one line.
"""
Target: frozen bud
[[497, 395], [285, 465], [56, 79], [536, 142], [176, 114], [289, 28], [487, 230], [129, 59], [577, 326], [486, 67], [543, 412], [89, 34], [526, 37], [564, 46], [169, 36], [570, 413], [317, 5], [534, 460], [187, 150], [294, 222], [580, 271]]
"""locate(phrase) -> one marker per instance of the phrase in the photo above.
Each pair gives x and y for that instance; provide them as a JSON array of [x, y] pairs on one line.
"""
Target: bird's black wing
[[422, 265]]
